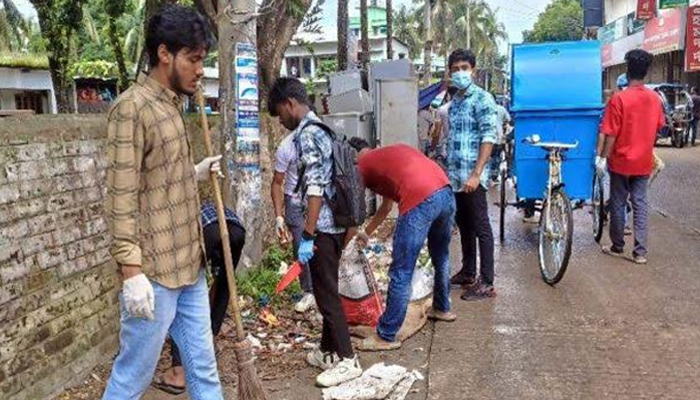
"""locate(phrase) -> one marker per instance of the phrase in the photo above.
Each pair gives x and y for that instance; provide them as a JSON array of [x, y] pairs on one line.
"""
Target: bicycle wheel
[[598, 204], [555, 236], [502, 221]]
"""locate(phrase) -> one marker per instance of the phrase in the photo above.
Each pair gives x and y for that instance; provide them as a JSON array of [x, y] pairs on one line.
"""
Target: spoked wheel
[[555, 236], [503, 203], [598, 211]]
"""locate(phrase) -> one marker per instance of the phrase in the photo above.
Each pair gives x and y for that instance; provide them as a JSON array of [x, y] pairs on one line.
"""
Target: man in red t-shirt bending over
[[632, 119], [401, 174]]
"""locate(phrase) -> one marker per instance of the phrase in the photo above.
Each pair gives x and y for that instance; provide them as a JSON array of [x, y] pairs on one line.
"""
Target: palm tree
[[364, 31], [13, 28], [389, 30], [408, 30], [343, 35]]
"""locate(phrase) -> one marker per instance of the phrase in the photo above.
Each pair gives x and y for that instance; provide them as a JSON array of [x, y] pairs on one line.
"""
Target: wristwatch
[[307, 236]]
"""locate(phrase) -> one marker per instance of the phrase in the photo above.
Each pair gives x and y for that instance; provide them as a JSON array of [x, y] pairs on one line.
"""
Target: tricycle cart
[[556, 100]]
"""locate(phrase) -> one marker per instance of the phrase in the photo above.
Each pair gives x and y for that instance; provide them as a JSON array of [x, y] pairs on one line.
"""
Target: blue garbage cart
[[556, 102]]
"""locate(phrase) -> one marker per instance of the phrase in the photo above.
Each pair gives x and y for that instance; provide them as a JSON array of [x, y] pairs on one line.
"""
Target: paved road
[[609, 330]]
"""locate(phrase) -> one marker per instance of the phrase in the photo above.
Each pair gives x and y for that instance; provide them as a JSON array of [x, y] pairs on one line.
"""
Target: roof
[[24, 61]]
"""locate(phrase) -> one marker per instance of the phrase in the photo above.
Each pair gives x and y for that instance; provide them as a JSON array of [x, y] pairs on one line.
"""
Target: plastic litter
[[268, 317], [254, 342], [283, 269], [358, 289], [380, 381]]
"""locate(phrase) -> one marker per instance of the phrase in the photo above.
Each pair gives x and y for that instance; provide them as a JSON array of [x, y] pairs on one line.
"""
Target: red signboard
[[646, 9], [664, 33], [606, 54], [692, 40]]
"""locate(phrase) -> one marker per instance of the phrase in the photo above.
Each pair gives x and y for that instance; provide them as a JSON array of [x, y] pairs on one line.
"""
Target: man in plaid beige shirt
[[152, 210]]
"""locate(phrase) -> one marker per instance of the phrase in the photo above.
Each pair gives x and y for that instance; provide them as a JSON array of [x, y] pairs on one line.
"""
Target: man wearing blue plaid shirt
[[472, 134]]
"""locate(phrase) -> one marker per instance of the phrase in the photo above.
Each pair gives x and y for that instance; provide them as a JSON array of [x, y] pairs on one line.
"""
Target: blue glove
[[306, 251]]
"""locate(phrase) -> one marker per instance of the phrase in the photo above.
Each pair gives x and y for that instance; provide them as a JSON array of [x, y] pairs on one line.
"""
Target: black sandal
[[160, 384]]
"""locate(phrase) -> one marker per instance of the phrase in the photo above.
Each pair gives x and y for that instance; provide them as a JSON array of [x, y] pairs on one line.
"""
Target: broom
[[249, 385]]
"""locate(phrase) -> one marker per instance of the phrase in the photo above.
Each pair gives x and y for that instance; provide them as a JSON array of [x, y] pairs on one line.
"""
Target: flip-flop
[[371, 344], [161, 385]]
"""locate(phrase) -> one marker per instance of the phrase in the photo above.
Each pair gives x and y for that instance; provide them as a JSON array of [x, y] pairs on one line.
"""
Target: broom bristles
[[249, 385]]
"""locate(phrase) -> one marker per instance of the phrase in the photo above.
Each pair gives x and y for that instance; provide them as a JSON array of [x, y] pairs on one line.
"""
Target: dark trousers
[[633, 188], [324, 275], [474, 225], [218, 293]]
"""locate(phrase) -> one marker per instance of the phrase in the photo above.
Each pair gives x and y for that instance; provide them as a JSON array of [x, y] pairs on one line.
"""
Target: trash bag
[[359, 294], [423, 282]]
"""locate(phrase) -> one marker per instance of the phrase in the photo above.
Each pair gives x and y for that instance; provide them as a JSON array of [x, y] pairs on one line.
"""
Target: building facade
[[27, 89], [663, 35]]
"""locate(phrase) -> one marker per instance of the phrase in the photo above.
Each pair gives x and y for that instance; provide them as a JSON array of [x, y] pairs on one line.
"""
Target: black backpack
[[348, 203]]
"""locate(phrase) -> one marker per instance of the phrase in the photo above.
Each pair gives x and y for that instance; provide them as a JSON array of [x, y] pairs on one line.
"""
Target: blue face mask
[[461, 79]]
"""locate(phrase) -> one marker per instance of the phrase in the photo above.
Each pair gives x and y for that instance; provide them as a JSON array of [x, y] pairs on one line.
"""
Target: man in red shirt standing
[[631, 120], [401, 174]]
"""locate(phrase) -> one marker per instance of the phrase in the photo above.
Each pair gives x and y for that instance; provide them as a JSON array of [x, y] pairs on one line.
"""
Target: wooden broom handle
[[223, 228]]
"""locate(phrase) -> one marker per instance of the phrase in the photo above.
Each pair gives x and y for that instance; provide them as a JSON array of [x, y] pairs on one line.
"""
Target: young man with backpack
[[323, 237], [402, 175]]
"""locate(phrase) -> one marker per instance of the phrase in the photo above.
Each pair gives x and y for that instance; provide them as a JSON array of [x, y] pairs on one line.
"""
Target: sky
[[25, 8], [516, 15]]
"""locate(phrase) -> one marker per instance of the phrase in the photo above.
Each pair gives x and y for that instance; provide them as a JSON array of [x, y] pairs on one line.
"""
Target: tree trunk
[[62, 87], [342, 35], [364, 28], [59, 44], [389, 30], [275, 29], [428, 49], [116, 45]]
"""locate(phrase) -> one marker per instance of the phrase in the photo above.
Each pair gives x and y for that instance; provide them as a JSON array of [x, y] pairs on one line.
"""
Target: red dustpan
[[289, 277]]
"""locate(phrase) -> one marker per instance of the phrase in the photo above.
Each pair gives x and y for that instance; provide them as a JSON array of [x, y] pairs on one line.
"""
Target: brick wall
[[58, 301], [58, 296]]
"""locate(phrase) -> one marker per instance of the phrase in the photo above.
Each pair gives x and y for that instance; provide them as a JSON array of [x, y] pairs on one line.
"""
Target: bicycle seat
[[534, 140]]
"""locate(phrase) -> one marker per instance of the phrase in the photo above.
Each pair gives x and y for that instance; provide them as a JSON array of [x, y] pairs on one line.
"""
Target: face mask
[[461, 80]]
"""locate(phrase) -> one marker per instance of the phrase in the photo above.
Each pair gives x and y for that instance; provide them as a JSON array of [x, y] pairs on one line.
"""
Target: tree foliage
[[455, 24], [562, 20], [13, 27], [59, 20]]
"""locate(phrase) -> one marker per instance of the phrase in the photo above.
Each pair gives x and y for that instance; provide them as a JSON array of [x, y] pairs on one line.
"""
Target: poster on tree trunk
[[646, 9], [692, 40], [247, 151]]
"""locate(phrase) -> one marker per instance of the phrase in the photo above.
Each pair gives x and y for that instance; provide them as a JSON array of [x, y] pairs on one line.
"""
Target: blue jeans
[[633, 188], [432, 219], [185, 314]]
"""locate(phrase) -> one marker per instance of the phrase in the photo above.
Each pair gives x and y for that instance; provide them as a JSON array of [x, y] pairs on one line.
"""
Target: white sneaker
[[317, 358], [346, 370], [306, 302]]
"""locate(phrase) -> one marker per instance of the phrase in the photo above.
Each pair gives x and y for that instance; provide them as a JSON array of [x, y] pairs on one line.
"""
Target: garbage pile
[[380, 381]]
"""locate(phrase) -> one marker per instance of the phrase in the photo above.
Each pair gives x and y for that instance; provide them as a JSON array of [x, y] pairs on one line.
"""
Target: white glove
[[281, 229], [139, 299], [601, 165], [209, 164]]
